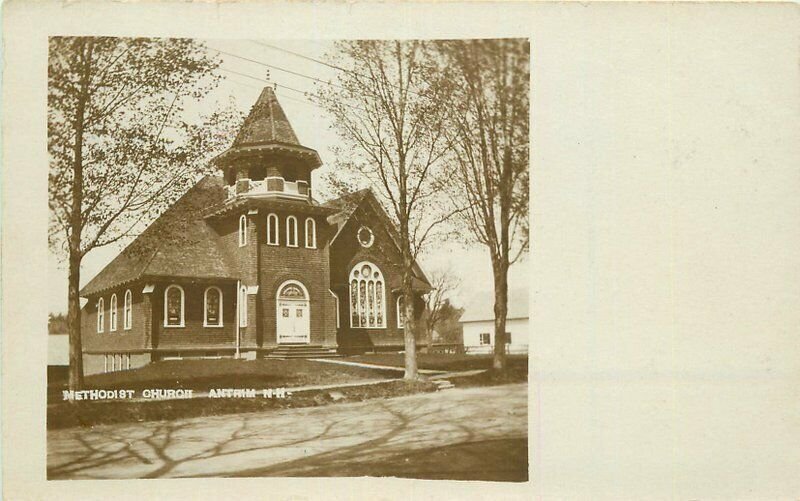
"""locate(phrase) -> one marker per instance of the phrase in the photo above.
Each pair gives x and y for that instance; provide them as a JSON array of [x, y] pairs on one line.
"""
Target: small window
[[272, 229], [127, 310], [365, 236], [112, 313], [508, 338], [173, 306], [311, 233], [242, 231], [243, 307], [401, 313], [101, 313], [212, 315], [485, 338], [291, 231]]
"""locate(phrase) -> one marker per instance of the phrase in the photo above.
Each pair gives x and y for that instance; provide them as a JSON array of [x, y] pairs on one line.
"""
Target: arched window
[[212, 312], [401, 313], [291, 231], [311, 233], [242, 231], [272, 229], [112, 313], [367, 297], [243, 306], [173, 306], [127, 310], [101, 314]]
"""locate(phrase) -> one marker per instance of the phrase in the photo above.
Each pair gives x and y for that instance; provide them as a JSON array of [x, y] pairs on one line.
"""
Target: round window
[[365, 236]]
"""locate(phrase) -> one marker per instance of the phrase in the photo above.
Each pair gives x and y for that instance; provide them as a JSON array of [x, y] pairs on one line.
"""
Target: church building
[[249, 264]]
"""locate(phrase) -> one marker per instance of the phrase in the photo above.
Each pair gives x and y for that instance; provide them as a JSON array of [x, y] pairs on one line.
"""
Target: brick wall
[[279, 263], [121, 339], [194, 334], [346, 252]]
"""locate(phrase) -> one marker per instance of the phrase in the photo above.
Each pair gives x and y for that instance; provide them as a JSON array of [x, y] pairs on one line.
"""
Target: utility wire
[[301, 56], [277, 68], [329, 65], [306, 94]]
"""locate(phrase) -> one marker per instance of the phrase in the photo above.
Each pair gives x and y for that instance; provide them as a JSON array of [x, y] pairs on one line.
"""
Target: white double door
[[294, 324]]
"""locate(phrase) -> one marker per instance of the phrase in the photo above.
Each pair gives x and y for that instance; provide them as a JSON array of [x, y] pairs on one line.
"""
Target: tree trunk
[[76, 227], [500, 313], [409, 328], [74, 325], [429, 337]]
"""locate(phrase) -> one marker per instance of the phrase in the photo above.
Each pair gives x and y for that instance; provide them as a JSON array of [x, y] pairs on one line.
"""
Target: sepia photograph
[[397, 250], [288, 258]]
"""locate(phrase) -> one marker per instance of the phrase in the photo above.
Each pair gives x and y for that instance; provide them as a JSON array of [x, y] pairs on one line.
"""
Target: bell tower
[[266, 160]]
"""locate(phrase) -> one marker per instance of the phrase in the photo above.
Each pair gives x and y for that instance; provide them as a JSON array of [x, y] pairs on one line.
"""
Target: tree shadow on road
[[403, 440]]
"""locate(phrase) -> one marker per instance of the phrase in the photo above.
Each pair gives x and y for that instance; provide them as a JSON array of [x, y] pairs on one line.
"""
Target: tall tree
[[437, 303], [490, 126], [390, 115], [120, 147]]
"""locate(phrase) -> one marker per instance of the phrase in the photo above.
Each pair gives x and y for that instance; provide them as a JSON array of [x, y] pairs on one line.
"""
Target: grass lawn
[[517, 371], [90, 413], [202, 375], [441, 361]]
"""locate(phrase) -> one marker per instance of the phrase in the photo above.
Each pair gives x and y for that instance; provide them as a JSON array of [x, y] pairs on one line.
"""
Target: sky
[[243, 79]]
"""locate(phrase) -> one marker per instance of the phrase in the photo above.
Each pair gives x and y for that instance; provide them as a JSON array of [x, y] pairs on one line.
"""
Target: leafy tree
[[489, 126], [120, 145], [56, 323], [390, 115]]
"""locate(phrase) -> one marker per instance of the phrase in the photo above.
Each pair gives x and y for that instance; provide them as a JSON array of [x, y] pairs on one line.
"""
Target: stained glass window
[[173, 306], [367, 297], [213, 316]]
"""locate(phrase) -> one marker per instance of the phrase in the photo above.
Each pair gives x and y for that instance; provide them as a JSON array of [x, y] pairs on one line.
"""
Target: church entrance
[[294, 322]]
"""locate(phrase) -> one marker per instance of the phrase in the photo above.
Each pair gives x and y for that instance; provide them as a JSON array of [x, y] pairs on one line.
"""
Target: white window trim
[[313, 226], [243, 306], [273, 239], [242, 230], [293, 220], [101, 315], [183, 306], [350, 292], [205, 307], [112, 313], [400, 314], [127, 311]]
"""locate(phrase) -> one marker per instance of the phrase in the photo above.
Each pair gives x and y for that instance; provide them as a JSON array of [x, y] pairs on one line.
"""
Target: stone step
[[443, 384]]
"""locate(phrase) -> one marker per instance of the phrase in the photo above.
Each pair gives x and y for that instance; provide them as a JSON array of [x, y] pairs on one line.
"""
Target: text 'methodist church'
[[249, 264]]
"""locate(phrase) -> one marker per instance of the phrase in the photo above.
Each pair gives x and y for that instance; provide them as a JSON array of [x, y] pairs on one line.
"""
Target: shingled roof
[[267, 130], [178, 244], [266, 123], [347, 205]]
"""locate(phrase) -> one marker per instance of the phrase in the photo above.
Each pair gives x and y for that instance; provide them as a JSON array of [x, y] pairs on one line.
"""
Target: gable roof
[[266, 123], [346, 205], [481, 306], [177, 244], [349, 203]]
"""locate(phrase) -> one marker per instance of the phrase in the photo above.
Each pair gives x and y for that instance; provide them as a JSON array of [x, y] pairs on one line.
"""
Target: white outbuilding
[[478, 322]]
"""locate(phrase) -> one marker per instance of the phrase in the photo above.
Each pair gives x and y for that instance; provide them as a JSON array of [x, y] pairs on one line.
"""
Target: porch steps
[[302, 351], [443, 384]]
